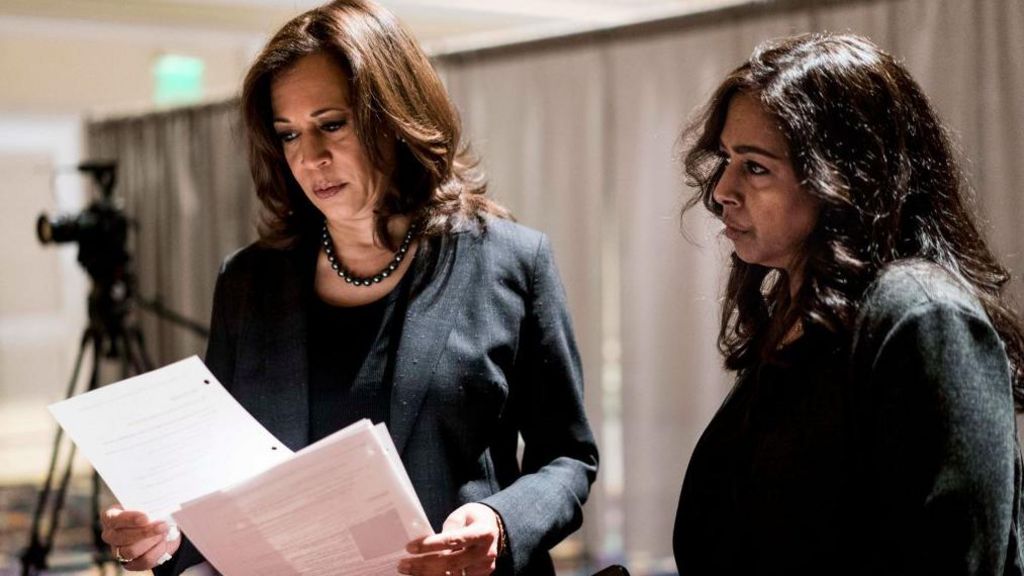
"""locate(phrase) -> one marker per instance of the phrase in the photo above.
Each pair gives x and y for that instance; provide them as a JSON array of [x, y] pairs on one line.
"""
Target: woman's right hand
[[135, 542]]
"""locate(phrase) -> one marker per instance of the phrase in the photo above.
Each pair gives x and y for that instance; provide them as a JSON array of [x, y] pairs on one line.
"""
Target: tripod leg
[[94, 382], [35, 555], [121, 344], [141, 359], [58, 504], [102, 554]]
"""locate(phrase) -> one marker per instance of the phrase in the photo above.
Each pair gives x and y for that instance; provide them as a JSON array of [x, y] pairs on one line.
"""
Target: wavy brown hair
[[867, 143], [402, 116]]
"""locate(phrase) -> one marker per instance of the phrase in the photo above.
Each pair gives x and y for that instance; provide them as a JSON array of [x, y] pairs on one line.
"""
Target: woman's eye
[[333, 126], [755, 169], [287, 136]]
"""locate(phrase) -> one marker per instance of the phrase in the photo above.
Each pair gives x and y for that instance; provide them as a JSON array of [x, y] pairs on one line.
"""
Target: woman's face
[[313, 119], [766, 213]]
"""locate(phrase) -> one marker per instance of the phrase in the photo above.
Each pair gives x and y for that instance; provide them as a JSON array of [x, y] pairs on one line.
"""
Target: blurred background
[[575, 107]]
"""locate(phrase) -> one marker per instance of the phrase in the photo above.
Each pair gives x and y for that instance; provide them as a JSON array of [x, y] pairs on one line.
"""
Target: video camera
[[101, 231]]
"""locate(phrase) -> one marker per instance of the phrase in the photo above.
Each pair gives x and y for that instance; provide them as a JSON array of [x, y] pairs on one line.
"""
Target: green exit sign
[[178, 79]]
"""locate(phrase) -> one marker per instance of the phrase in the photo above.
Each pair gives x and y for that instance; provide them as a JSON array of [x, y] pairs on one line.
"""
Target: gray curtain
[[185, 184], [579, 136], [545, 152]]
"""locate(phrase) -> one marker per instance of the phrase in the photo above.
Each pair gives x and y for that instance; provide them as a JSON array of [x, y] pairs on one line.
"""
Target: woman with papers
[[871, 427], [386, 285]]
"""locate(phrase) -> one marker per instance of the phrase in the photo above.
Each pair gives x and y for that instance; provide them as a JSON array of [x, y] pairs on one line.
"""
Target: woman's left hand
[[466, 546]]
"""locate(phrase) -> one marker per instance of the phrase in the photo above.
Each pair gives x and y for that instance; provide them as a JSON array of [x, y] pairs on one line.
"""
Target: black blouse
[[765, 485], [894, 453], [348, 363]]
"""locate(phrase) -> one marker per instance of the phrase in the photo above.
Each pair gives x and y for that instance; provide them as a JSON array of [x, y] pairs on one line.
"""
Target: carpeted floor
[[73, 551]]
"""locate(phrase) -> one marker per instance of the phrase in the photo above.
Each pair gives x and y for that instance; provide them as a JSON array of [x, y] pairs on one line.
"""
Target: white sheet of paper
[[397, 468], [167, 437], [343, 506]]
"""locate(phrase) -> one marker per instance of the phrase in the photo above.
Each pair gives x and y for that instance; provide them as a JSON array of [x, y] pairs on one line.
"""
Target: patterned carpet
[[73, 551]]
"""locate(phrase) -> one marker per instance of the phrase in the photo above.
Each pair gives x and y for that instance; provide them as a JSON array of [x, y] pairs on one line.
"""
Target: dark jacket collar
[[441, 273]]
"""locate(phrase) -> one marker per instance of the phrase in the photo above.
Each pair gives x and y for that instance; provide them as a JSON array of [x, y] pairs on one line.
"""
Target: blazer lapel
[[284, 397], [428, 323]]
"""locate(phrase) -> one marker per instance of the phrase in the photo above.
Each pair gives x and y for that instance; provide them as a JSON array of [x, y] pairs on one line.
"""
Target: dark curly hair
[[402, 115], [865, 141]]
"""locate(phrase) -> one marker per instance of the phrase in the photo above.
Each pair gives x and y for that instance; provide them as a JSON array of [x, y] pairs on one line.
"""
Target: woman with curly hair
[[387, 286], [871, 426]]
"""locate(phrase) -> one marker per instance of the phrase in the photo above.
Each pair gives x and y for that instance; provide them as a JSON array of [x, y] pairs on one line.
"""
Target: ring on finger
[[120, 559]]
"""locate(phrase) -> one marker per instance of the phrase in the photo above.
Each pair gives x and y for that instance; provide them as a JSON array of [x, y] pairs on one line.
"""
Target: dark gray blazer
[[890, 453], [487, 353]]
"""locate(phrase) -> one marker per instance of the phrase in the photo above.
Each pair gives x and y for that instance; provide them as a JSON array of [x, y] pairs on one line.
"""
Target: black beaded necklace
[[350, 278]]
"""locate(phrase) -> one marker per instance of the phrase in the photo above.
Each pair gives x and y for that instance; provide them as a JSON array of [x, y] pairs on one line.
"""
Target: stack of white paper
[[174, 443]]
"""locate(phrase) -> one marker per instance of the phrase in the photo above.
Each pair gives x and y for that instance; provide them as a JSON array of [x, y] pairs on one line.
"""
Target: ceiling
[[96, 56], [439, 24]]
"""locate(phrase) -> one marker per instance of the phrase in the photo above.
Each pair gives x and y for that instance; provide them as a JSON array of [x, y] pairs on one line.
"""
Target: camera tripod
[[101, 231], [107, 336]]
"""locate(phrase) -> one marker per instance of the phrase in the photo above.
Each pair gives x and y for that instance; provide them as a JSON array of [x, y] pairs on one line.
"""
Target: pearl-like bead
[[349, 278]]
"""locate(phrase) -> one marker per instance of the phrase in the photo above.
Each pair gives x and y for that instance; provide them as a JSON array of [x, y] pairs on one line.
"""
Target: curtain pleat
[[185, 184], [579, 139]]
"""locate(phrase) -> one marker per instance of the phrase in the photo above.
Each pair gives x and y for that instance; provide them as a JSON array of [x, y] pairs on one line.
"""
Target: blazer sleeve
[[220, 360], [559, 462], [941, 450], [220, 348]]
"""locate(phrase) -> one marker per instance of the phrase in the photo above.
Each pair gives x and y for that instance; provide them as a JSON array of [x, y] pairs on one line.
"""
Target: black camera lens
[[44, 230], [64, 229]]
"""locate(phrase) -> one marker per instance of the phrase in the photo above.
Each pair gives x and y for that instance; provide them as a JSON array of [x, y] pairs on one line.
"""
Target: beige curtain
[[185, 184], [545, 152], [578, 137]]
